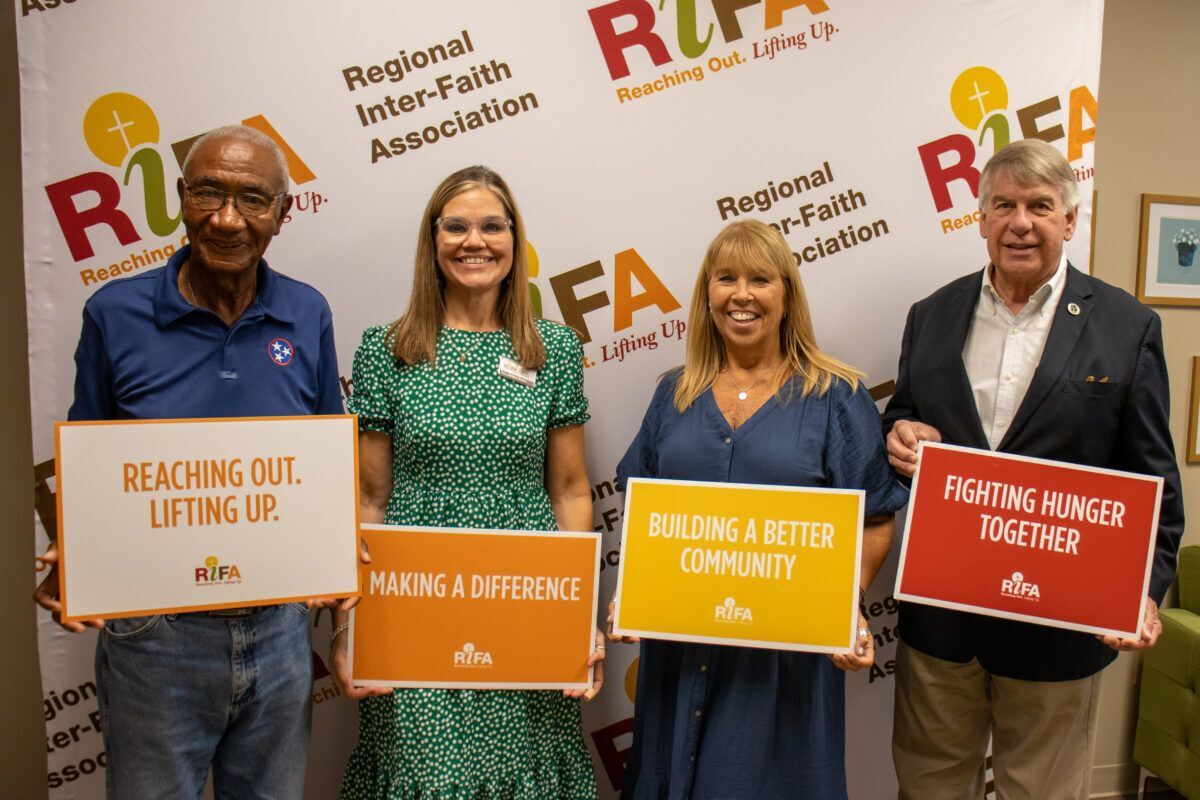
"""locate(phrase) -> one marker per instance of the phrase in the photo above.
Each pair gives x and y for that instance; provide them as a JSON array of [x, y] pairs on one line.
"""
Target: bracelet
[[338, 631]]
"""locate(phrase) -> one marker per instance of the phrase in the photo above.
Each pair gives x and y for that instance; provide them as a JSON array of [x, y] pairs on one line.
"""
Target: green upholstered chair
[[1168, 728]]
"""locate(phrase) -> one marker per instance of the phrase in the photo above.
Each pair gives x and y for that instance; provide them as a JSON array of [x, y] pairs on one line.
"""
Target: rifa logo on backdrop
[[633, 25], [635, 287], [979, 100], [122, 131]]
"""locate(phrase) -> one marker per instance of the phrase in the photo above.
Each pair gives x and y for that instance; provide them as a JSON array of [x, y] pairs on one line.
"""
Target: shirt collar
[[169, 305], [1051, 288]]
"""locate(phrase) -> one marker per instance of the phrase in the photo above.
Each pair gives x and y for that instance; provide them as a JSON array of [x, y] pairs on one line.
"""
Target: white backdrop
[[630, 134]]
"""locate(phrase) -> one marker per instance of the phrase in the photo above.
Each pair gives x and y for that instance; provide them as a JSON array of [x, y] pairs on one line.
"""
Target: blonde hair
[[414, 336], [758, 245]]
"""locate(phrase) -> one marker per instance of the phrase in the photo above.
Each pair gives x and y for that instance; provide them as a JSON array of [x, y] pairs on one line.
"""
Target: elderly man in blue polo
[[213, 333]]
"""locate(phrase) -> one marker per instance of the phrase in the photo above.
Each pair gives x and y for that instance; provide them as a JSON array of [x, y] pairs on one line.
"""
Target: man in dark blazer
[[1027, 356]]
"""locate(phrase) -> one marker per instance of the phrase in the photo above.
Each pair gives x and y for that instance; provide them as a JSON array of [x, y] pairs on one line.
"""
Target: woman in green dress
[[471, 415]]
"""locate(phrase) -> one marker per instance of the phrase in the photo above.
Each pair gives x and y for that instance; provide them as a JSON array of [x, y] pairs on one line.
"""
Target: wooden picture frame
[[1193, 447], [1168, 266]]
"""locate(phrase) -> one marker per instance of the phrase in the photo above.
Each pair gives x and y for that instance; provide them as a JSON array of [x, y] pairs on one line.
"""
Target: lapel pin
[[1073, 309]]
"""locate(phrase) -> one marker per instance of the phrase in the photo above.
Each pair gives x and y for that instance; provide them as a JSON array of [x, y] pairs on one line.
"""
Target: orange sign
[[475, 609]]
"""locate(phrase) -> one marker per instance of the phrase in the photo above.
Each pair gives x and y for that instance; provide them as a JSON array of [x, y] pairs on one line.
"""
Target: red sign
[[1029, 539]]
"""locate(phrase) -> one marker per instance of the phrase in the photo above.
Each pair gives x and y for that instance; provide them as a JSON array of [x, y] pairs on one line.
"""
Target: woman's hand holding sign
[[863, 654], [595, 660]]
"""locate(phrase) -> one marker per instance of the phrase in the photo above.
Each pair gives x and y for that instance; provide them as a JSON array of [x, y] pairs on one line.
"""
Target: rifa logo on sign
[[1018, 587], [214, 572], [730, 611], [470, 657]]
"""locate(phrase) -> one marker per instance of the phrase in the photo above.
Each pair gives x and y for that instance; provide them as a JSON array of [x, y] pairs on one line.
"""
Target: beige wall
[[22, 748], [1147, 143]]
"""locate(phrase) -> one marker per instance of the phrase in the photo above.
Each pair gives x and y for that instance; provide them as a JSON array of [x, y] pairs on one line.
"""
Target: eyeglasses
[[455, 228], [248, 204]]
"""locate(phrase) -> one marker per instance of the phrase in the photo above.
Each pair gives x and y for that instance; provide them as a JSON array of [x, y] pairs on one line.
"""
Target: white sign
[[170, 515]]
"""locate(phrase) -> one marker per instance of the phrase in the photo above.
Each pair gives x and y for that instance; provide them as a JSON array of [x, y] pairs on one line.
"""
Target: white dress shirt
[[1003, 350]]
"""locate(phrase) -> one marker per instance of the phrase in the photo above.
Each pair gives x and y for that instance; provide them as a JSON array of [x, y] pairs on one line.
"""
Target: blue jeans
[[180, 693]]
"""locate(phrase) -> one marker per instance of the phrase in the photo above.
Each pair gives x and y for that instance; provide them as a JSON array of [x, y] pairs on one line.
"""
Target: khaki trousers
[[1043, 733]]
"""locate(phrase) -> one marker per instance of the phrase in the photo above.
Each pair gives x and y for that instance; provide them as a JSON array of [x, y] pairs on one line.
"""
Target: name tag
[[515, 372]]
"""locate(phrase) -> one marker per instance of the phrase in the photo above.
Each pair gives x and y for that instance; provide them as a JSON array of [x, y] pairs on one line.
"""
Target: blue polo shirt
[[146, 353]]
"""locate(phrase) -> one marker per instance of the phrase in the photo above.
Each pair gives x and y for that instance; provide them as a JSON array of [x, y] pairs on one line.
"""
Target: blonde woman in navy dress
[[755, 402], [448, 438]]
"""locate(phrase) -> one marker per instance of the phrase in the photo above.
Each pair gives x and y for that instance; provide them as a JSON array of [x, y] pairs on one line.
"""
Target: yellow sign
[[727, 563]]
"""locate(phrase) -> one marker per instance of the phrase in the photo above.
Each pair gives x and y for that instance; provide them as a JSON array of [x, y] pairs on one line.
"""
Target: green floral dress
[[468, 450]]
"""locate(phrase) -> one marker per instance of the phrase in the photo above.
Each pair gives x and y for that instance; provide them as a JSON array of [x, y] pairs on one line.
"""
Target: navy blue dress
[[726, 723]]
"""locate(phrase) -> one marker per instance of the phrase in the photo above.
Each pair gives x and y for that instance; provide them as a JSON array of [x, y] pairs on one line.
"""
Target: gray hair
[[242, 133], [1029, 162]]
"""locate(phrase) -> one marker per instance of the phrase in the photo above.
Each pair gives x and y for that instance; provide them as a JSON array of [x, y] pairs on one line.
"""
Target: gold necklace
[[742, 393], [462, 356]]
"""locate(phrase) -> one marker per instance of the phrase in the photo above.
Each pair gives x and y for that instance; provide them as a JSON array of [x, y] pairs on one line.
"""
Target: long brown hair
[[756, 243], [414, 336]]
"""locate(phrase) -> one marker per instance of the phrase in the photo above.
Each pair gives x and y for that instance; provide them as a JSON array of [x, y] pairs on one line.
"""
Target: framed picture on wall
[[1193, 446], [1168, 266]]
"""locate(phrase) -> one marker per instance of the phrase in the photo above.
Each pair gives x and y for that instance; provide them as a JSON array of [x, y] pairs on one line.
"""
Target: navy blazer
[[1122, 423]]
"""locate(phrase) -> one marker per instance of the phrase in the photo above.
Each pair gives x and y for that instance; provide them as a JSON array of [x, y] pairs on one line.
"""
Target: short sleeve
[[374, 366], [564, 372], [855, 455], [93, 375], [641, 459], [329, 386]]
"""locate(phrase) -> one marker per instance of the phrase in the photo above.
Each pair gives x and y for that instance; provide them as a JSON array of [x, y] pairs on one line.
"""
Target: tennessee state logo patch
[[281, 351]]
